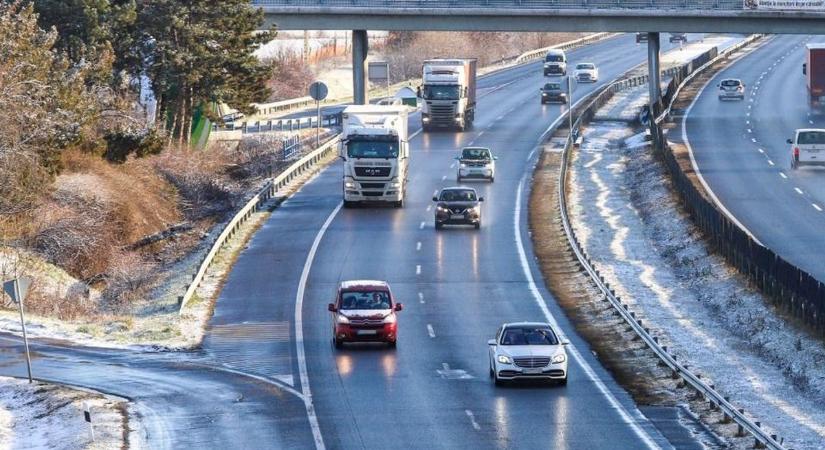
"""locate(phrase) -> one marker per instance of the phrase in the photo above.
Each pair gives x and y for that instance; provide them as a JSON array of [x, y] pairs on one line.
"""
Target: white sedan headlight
[[342, 319], [559, 358], [503, 359]]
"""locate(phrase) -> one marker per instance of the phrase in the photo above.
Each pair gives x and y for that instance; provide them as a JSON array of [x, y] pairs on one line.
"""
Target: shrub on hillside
[[121, 144]]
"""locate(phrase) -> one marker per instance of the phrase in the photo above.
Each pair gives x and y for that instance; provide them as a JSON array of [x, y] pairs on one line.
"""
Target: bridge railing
[[731, 5]]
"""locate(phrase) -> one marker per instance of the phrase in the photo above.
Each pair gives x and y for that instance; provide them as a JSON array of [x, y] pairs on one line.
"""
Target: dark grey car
[[553, 92], [458, 206]]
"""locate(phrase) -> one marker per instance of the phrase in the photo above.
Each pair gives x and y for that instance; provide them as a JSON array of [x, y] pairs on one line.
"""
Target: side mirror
[[718, 85], [399, 306], [331, 307], [491, 342], [565, 342], [418, 91], [457, 158], [435, 198], [481, 199], [789, 141], [495, 158]]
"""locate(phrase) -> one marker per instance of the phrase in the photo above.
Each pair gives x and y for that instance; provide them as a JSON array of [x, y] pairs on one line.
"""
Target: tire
[[563, 382], [438, 226], [497, 381], [492, 179], [338, 344], [399, 203], [393, 345], [477, 225], [348, 204], [458, 178], [492, 373]]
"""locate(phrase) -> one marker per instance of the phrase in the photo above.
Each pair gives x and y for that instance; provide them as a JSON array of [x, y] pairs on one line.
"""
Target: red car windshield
[[367, 299]]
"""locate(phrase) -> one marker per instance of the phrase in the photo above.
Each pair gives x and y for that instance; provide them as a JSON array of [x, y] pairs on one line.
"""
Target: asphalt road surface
[[267, 375], [740, 149]]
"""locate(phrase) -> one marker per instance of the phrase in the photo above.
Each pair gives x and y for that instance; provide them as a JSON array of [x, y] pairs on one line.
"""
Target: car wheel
[[348, 204], [477, 225], [497, 381], [438, 226], [339, 344], [563, 381], [458, 178], [393, 345], [492, 179], [492, 373], [399, 203]]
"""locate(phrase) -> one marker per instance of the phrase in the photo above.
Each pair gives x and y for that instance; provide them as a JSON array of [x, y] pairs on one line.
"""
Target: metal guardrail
[[308, 162], [716, 400], [294, 124], [728, 5], [541, 52]]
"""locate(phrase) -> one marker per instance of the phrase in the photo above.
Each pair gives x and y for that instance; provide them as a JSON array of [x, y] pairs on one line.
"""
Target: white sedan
[[587, 73], [527, 351]]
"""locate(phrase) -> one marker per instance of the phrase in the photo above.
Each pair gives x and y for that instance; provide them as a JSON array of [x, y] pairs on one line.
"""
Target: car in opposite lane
[[476, 162], [731, 88], [678, 37], [527, 351], [553, 92], [457, 206], [364, 311], [587, 73], [807, 147]]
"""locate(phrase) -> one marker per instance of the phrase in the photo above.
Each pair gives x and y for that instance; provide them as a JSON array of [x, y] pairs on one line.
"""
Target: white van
[[555, 63], [808, 147]]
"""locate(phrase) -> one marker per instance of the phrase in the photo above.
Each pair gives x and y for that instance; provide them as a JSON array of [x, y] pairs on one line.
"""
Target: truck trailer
[[375, 150], [448, 92], [814, 71]]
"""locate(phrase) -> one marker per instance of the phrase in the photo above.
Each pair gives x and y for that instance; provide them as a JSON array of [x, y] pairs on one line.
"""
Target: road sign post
[[17, 290], [318, 91], [570, 107], [87, 415]]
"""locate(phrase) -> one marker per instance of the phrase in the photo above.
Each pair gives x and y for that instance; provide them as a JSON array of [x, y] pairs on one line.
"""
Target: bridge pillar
[[655, 84], [360, 48]]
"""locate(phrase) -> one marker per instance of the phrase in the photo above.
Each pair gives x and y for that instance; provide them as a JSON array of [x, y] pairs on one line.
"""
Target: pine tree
[[200, 53]]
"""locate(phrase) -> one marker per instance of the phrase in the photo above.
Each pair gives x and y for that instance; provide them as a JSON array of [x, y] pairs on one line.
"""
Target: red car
[[364, 311]]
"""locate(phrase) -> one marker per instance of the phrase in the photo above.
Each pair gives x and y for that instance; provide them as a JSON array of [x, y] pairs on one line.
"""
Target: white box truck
[[448, 93], [375, 151]]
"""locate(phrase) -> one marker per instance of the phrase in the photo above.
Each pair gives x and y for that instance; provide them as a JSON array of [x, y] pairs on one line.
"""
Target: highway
[[457, 285], [267, 375], [741, 152]]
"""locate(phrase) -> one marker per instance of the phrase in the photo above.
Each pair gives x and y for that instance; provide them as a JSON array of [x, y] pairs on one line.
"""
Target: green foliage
[[121, 144], [201, 52]]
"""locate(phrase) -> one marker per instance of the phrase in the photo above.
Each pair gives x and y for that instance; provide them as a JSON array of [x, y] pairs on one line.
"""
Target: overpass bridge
[[651, 16]]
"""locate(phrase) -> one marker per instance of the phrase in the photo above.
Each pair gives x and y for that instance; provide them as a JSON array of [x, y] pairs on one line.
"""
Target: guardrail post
[[740, 431]]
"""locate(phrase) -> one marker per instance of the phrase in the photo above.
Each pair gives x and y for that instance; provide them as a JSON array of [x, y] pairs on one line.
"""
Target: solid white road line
[[299, 331], [696, 166], [472, 417], [430, 331], [631, 419]]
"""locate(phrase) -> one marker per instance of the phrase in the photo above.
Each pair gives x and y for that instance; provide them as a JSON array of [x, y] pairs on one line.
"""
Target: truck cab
[[448, 92], [375, 150], [555, 63]]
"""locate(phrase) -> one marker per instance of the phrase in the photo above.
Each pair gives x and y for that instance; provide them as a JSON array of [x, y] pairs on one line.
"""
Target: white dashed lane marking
[[798, 191], [782, 174], [430, 331], [421, 225], [418, 246], [418, 269], [421, 298], [472, 417], [770, 162]]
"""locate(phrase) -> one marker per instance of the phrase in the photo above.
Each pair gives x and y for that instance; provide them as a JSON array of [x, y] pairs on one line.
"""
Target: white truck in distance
[[375, 151], [449, 93]]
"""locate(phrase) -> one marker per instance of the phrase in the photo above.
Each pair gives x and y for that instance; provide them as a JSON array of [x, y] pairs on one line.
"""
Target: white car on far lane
[[731, 88], [587, 73], [527, 351], [807, 147]]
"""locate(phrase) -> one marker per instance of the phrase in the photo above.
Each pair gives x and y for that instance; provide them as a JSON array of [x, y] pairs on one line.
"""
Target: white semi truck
[[376, 153], [448, 92]]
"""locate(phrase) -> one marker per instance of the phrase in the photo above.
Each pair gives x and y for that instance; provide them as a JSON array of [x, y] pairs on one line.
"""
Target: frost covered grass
[[48, 416], [649, 251]]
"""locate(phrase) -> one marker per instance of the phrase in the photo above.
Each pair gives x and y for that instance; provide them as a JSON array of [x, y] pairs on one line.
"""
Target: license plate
[[532, 371], [457, 216], [367, 332]]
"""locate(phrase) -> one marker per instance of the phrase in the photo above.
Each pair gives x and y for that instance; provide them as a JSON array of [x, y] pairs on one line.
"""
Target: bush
[[121, 144]]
